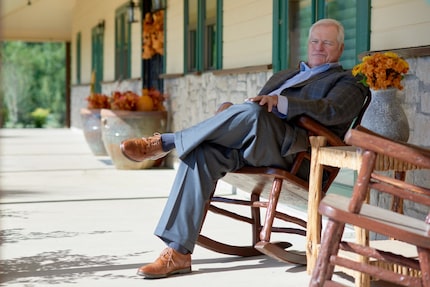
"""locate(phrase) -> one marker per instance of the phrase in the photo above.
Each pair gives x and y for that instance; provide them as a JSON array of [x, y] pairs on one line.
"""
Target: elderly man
[[258, 132]]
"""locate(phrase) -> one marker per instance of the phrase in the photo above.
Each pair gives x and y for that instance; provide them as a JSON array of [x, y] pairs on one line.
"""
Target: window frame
[[122, 43], [78, 57], [280, 46], [97, 55], [197, 56]]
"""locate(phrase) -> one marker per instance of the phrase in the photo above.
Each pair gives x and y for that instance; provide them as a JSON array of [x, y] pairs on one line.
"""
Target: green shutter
[[122, 44], [78, 58], [219, 32], [346, 13], [202, 36], [97, 39]]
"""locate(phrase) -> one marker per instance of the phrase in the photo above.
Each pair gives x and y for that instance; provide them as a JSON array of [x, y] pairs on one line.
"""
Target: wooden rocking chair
[[355, 211], [270, 180]]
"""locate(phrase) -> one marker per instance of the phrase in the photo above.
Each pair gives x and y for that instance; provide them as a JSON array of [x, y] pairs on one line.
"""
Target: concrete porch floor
[[69, 218]]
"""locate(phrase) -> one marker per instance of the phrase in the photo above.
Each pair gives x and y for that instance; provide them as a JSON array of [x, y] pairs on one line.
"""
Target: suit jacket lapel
[[319, 76], [277, 80]]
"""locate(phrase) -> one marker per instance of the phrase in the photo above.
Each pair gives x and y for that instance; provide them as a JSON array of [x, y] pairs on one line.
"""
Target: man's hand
[[270, 101]]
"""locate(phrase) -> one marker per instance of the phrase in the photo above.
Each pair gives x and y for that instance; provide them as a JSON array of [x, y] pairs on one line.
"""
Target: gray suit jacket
[[333, 98]]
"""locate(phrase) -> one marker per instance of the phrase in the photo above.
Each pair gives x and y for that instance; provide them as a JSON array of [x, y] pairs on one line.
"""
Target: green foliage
[[39, 117], [33, 76]]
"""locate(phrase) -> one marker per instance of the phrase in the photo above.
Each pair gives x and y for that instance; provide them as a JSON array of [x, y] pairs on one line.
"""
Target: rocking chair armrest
[[316, 129], [410, 153]]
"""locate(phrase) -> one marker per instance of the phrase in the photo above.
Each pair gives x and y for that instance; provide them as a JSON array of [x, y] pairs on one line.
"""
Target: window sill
[[242, 70], [411, 52], [170, 76]]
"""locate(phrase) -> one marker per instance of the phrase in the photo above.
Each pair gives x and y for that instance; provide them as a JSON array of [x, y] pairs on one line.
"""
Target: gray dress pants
[[244, 134]]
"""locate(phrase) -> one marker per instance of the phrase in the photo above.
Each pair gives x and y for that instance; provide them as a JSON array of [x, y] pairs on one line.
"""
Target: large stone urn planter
[[91, 127], [385, 115], [118, 125]]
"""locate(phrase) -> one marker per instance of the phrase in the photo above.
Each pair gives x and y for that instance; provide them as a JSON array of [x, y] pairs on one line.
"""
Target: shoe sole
[[121, 147], [159, 276]]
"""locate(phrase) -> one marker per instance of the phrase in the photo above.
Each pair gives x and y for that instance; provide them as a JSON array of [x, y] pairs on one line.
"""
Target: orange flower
[[382, 71], [129, 101], [126, 101], [98, 101]]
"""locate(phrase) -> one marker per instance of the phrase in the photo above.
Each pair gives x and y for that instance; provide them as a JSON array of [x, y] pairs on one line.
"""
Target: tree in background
[[33, 77]]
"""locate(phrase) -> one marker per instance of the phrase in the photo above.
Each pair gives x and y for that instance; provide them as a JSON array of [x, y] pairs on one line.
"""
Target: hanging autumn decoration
[[153, 34]]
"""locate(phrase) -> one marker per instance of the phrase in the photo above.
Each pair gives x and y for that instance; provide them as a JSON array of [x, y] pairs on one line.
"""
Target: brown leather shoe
[[170, 262], [140, 149]]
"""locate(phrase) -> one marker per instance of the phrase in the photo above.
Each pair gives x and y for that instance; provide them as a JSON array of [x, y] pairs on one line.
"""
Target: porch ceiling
[[36, 20]]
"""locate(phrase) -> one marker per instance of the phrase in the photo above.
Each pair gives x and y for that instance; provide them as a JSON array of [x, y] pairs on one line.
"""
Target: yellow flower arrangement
[[382, 70]]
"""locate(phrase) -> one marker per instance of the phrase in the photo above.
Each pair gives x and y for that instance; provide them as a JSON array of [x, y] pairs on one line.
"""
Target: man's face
[[323, 46]]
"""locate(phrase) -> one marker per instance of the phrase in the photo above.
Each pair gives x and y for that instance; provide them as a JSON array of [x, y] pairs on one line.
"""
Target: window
[[122, 44], [354, 16], [97, 37], [210, 34], [203, 37], [78, 58], [293, 18], [191, 43]]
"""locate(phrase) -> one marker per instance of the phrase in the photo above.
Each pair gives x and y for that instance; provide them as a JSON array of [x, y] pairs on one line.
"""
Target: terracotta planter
[[92, 131], [120, 125]]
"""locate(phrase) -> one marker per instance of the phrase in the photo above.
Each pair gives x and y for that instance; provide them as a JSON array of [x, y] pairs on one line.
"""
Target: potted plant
[[39, 117], [383, 73], [130, 116], [91, 126]]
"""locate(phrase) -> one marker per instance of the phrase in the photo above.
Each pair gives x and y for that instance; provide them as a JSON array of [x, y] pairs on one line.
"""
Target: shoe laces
[[167, 253], [154, 141]]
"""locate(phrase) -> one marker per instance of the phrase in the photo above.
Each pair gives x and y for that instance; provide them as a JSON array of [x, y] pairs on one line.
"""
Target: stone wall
[[77, 102], [415, 99], [195, 98], [417, 105]]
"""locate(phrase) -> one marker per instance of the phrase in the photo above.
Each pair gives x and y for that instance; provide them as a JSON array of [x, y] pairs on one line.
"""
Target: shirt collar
[[324, 67]]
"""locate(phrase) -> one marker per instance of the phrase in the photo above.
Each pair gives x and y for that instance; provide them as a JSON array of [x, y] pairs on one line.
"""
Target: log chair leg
[[424, 258], [397, 202], [255, 215], [323, 270], [313, 230], [266, 231]]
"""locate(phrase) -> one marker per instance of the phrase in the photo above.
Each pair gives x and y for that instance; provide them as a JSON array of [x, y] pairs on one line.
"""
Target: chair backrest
[[368, 140], [374, 144]]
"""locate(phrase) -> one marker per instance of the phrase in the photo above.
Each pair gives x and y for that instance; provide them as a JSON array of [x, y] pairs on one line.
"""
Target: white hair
[[330, 22]]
